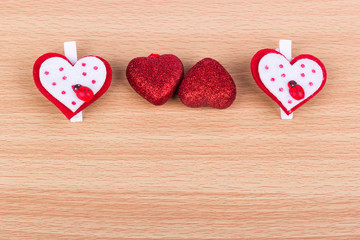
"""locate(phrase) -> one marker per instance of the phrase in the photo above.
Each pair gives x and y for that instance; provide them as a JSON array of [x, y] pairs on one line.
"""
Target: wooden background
[[135, 171]]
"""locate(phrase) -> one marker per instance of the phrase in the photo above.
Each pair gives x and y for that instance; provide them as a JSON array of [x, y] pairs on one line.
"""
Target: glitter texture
[[207, 83], [156, 77]]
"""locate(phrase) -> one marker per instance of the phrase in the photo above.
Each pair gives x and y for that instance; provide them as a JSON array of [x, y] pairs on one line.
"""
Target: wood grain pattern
[[135, 171]]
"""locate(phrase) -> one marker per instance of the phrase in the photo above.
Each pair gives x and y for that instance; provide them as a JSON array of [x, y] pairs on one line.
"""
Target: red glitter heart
[[207, 83], [156, 77]]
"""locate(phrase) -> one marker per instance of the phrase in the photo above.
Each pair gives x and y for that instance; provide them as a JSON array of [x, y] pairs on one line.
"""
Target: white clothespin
[[285, 49], [71, 54]]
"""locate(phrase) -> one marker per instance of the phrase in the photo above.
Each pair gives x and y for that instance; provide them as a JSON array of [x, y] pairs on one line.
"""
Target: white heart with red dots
[[58, 76], [275, 72]]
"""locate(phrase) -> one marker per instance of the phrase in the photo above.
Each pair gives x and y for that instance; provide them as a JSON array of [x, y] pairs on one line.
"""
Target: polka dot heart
[[289, 84], [55, 77]]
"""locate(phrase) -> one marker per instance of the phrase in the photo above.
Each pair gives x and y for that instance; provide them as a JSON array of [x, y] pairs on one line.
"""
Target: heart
[[55, 77], [156, 77], [207, 83], [289, 84]]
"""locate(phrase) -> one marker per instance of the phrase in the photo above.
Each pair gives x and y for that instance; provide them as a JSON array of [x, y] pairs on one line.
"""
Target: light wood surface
[[135, 171]]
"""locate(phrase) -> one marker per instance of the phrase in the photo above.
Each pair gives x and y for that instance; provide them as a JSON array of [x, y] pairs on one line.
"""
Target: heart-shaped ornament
[[207, 83], [289, 84], [69, 87], [156, 77]]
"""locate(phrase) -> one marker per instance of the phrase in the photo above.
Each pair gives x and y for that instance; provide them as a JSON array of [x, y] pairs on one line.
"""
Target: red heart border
[[255, 72], [66, 111]]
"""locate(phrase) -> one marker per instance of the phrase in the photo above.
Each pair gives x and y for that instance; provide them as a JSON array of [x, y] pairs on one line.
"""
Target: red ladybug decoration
[[83, 93], [295, 90]]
